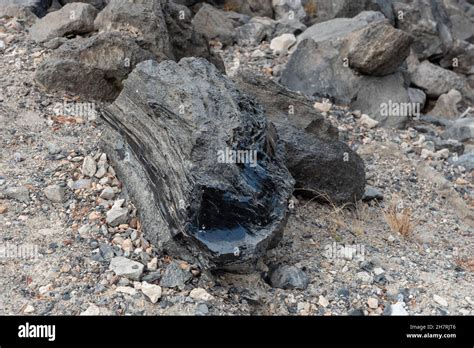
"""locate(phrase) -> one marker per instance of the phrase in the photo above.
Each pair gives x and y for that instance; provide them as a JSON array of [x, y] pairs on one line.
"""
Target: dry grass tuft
[[398, 217]]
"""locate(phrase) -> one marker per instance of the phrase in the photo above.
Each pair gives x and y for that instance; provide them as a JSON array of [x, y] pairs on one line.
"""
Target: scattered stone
[[55, 193], [126, 267], [117, 215], [323, 301], [435, 80], [371, 194], [373, 303], [446, 106], [397, 309], [378, 49], [282, 43], [20, 194], [74, 18], [364, 277], [213, 24], [200, 294], [201, 309], [153, 292], [461, 130], [29, 309], [368, 122], [289, 277], [91, 310], [126, 290], [174, 276], [107, 193], [89, 167], [323, 107], [440, 300]]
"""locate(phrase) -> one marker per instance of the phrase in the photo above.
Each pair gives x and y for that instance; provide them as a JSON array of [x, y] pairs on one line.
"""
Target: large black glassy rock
[[172, 134]]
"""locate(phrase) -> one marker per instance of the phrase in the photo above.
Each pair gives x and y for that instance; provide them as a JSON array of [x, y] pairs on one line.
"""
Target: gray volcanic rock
[[214, 25], [184, 39], [169, 130], [428, 22], [98, 4], [92, 67], [321, 165], [327, 170], [74, 18], [38, 7], [435, 80], [143, 19], [378, 49]]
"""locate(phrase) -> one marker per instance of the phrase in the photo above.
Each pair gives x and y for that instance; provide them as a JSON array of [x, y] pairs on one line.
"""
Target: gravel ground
[[49, 207]]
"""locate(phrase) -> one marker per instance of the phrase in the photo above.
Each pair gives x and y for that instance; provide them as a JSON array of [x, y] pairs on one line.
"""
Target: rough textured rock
[[144, 19], [184, 39], [316, 69], [446, 105], [427, 21], [167, 147], [435, 80], [213, 24], [74, 18], [461, 130], [55, 193], [282, 43], [340, 28], [126, 267], [289, 9], [460, 58], [92, 67], [289, 277], [21, 13], [38, 7], [378, 49], [324, 10], [322, 166], [284, 106]]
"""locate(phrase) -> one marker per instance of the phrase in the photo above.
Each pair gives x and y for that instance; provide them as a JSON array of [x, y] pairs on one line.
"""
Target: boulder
[[213, 24], [72, 19], [23, 14], [201, 163], [282, 43], [461, 15], [92, 67], [319, 67], [446, 106], [184, 39], [435, 80], [427, 21], [255, 31], [378, 49], [322, 166], [141, 18], [289, 9], [38, 7], [461, 130]]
